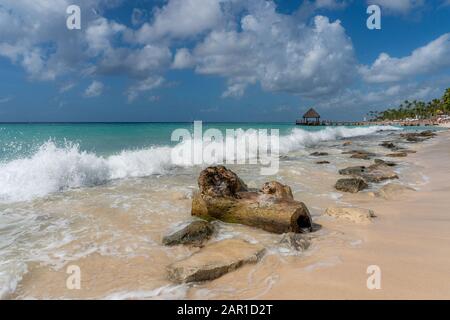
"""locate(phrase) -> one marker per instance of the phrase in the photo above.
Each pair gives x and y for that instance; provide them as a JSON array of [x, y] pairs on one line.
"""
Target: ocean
[[102, 196]]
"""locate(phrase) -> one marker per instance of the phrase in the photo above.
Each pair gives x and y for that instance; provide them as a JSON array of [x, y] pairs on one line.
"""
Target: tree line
[[415, 109]]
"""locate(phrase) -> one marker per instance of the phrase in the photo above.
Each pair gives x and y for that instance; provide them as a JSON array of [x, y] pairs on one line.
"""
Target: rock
[[220, 182], [418, 136], [389, 145], [374, 173], [360, 154], [319, 154], [195, 234], [296, 241], [393, 191], [357, 170], [323, 162], [378, 173], [347, 143], [214, 261], [277, 190], [427, 133], [397, 155], [271, 208], [352, 185], [386, 163], [357, 215]]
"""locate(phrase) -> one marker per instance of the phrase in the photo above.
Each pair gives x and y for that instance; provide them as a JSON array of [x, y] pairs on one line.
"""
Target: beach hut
[[311, 117]]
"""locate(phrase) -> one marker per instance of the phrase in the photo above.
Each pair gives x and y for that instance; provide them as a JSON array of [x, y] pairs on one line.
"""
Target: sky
[[218, 60]]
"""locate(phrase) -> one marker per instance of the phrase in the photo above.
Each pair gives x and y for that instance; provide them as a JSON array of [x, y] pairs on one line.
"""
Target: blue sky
[[218, 60]]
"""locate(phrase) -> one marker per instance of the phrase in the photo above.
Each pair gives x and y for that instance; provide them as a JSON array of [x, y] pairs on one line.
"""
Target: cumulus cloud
[[183, 59], [398, 6], [95, 89], [277, 52], [181, 19], [435, 56], [145, 85]]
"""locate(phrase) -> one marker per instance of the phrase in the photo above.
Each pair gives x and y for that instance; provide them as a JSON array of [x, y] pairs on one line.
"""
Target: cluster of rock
[[380, 171], [224, 196]]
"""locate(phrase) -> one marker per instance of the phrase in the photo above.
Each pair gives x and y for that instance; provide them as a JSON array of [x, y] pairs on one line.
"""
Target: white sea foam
[[52, 168]]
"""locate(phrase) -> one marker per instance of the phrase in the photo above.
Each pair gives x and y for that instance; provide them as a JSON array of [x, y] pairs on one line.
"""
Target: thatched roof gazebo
[[311, 117]]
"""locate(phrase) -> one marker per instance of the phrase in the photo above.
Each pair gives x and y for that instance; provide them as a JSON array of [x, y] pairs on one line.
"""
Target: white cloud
[[435, 56], [398, 6], [183, 59], [182, 18], [95, 89], [148, 84], [67, 87], [330, 4], [278, 52]]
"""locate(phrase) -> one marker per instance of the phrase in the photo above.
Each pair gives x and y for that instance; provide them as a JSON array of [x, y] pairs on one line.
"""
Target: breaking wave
[[52, 168]]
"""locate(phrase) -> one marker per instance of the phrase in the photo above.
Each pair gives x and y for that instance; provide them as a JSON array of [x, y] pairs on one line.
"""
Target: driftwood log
[[224, 196]]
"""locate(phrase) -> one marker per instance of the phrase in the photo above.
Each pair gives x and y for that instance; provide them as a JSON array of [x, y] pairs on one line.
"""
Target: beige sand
[[410, 242]]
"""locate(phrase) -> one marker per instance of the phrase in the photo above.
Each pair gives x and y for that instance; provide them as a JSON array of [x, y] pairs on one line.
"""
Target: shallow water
[[102, 196]]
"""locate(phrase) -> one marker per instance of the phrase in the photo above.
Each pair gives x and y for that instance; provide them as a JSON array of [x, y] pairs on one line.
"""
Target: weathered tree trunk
[[272, 208], [273, 215]]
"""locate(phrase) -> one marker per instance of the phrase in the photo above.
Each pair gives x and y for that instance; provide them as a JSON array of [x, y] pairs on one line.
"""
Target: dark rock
[[360, 154], [389, 145], [352, 185], [195, 233], [218, 181], [397, 155], [323, 162], [386, 163], [373, 173], [358, 170], [319, 154]]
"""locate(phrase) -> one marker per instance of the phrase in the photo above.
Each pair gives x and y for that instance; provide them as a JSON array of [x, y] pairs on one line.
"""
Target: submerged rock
[[397, 155], [352, 185], [214, 261], [296, 241], [393, 191], [272, 208], [356, 170], [319, 154], [360, 154], [418, 136], [386, 163], [195, 233], [374, 173], [323, 162], [357, 215], [389, 145]]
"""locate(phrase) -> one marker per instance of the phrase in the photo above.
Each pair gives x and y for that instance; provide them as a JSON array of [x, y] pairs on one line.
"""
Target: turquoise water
[[21, 140], [103, 139]]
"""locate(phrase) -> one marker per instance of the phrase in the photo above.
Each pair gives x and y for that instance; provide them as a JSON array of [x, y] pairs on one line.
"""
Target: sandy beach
[[409, 241], [113, 234]]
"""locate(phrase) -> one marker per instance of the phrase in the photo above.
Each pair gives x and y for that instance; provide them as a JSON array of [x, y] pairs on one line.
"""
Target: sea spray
[[52, 169]]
